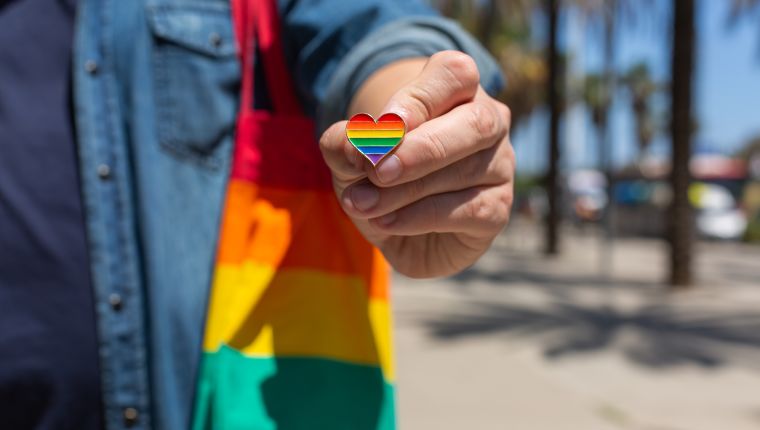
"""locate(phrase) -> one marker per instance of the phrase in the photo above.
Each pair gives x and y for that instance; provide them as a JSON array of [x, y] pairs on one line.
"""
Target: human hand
[[434, 206]]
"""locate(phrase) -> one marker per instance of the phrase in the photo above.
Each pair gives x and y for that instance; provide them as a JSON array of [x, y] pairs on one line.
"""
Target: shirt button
[[115, 301], [91, 67], [104, 171], [130, 416], [215, 39]]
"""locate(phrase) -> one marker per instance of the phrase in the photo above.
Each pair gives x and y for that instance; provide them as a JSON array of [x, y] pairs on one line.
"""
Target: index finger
[[464, 131]]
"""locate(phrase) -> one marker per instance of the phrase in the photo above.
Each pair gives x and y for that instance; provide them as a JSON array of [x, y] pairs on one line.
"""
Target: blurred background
[[625, 294]]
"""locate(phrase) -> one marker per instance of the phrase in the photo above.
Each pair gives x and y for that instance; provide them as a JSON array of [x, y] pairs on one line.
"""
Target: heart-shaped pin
[[375, 139]]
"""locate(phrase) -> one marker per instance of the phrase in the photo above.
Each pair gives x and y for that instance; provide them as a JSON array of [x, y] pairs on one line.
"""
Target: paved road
[[524, 342]]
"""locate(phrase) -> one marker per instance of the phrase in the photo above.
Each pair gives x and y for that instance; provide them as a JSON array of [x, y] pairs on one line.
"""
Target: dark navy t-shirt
[[49, 375]]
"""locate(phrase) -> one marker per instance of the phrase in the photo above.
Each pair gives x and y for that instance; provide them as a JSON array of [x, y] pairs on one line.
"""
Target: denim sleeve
[[332, 46]]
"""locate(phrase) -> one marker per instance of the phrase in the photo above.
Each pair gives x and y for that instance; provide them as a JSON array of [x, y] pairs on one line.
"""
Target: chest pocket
[[196, 78]]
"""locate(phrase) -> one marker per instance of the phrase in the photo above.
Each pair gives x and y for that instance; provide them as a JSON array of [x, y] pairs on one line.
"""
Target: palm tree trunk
[[681, 230], [487, 17], [552, 174], [605, 143]]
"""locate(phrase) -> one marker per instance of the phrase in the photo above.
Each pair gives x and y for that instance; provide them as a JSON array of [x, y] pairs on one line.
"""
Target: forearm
[[375, 92]]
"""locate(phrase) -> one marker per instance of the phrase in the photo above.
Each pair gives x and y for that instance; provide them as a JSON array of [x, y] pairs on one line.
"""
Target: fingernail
[[347, 201], [387, 220], [389, 169], [364, 197]]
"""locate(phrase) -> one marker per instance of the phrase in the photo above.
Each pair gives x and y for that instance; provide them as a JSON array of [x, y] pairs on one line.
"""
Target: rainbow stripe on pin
[[375, 139]]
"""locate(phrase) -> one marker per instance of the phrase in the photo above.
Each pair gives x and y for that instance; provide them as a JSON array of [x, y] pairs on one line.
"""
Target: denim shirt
[[156, 93]]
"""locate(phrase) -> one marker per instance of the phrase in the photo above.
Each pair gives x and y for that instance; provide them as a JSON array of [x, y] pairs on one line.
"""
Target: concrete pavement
[[524, 342]]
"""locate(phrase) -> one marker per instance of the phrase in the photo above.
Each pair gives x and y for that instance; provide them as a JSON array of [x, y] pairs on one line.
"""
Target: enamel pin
[[375, 139]]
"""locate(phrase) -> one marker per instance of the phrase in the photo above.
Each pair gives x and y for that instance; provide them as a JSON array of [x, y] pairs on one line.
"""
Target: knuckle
[[506, 197], [484, 121], [417, 189], [511, 157], [481, 210], [460, 65], [421, 100], [500, 170], [435, 147], [327, 140], [505, 112], [489, 212], [503, 164]]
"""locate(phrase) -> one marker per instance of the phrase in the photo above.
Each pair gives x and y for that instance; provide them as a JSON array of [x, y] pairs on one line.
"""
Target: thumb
[[449, 78]]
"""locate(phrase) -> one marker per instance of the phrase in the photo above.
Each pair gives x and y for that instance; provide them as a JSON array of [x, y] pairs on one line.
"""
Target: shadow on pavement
[[516, 274], [654, 336]]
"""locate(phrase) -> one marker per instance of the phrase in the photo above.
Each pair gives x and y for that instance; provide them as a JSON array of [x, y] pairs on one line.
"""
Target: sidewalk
[[523, 342]]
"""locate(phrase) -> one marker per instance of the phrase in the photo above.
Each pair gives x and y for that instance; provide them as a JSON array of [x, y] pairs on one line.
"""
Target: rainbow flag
[[298, 329]]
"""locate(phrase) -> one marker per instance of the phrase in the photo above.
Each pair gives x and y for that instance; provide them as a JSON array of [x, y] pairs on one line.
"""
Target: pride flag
[[298, 329]]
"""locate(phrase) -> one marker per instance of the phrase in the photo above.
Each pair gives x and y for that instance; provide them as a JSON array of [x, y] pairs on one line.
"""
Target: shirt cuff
[[407, 38]]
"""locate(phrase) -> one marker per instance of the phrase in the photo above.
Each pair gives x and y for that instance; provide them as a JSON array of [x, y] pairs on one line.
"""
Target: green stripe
[[236, 391], [375, 141]]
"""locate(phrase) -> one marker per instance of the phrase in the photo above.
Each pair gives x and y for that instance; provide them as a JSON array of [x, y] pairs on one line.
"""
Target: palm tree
[[504, 28], [596, 96], [599, 90], [554, 101], [641, 88], [680, 228], [598, 93]]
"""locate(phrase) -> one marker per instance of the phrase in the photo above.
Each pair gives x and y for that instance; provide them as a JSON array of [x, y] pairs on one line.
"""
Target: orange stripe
[[245, 214], [367, 125], [297, 229]]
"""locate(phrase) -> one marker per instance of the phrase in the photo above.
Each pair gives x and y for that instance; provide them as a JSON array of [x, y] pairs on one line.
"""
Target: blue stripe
[[375, 149]]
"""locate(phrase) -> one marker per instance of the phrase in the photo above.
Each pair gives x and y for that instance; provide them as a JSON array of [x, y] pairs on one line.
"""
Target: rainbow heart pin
[[375, 139]]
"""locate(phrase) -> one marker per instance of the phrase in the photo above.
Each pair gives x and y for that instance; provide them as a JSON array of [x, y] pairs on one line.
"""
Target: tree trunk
[[552, 174], [680, 221], [605, 141], [487, 17]]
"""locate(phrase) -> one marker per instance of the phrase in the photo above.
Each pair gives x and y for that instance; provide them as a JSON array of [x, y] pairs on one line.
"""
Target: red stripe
[[279, 152], [367, 125]]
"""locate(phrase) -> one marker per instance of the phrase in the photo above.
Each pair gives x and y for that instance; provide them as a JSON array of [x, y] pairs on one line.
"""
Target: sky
[[727, 86]]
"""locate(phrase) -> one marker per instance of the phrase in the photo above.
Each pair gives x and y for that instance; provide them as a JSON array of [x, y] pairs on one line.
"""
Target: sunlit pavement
[[524, 342]]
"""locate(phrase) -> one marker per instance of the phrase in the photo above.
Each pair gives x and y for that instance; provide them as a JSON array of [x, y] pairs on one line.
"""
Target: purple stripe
[[375, 158]]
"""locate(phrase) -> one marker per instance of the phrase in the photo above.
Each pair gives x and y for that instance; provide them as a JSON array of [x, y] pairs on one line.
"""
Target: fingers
[[492, 166], [465, 130], [479, 211], [449, 78]]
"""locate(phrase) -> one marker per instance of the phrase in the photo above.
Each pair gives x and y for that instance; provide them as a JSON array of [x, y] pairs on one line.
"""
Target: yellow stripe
[[298, 313], [355, 134], [235, 291]]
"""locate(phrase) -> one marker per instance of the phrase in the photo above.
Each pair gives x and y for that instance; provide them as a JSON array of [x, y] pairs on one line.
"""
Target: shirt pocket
[[196, 78]]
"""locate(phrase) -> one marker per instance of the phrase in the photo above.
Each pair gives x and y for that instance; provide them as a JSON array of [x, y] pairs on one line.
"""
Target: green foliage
[[504, 27], [642, 88], [753, 229]]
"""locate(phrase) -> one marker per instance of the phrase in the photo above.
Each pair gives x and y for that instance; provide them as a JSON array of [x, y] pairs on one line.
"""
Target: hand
[[434, 206]]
